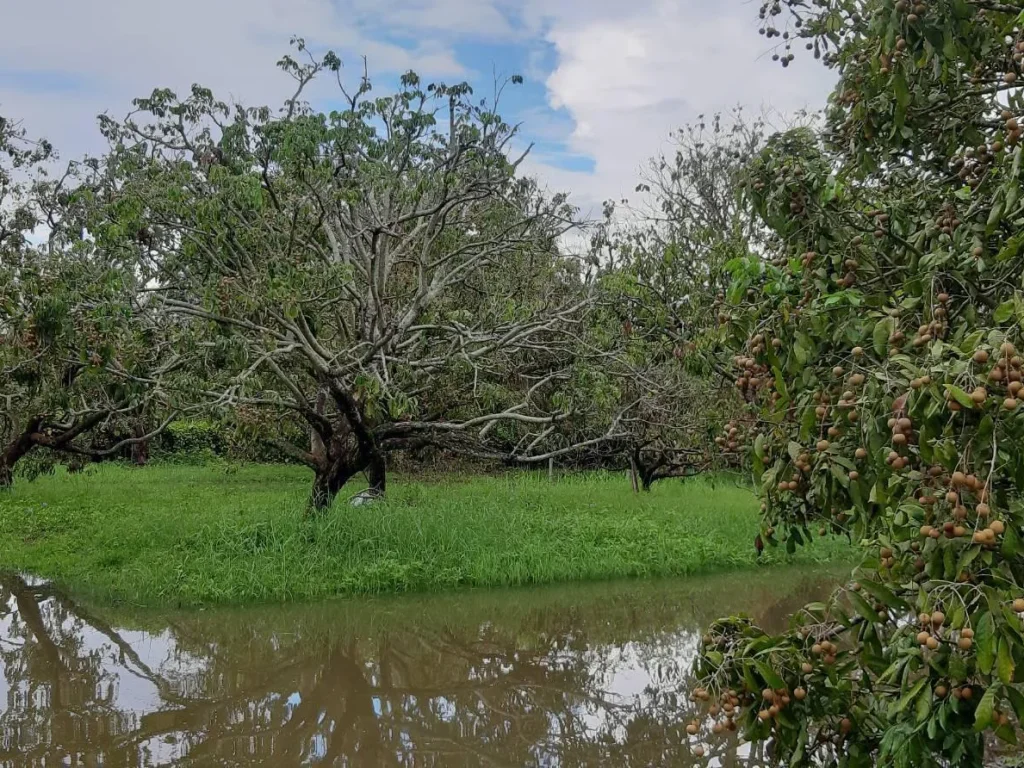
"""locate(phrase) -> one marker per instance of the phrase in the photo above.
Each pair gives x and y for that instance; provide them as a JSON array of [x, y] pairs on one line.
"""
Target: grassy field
[[190, 535]]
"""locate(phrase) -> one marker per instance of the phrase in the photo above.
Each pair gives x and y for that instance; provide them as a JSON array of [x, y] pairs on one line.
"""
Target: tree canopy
[[382, 273], [79, 350], [876, 338]]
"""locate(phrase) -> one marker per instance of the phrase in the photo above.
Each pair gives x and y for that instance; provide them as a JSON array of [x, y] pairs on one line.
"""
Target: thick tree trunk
[[140, 450], [348, 448], [331, 477], [316, 442], [376, 473], [6, 473], [642, 475], [326, 484], [13, 453]]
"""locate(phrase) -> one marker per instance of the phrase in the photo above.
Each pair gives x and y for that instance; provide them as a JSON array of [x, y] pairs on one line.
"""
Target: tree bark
[[6, 471], [331, 476], [376, 472], [342, 459], [15, 451], [140, 450], [351, 448], [642, 475], [326, 484], [316, 442]]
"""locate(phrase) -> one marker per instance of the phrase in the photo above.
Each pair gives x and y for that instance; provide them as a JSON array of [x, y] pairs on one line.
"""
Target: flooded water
[[567, 676]]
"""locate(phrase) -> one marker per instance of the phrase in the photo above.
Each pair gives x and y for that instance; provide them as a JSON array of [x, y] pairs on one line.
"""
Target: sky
[[605, 81]]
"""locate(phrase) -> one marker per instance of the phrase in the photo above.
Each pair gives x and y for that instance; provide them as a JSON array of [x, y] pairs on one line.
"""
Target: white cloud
[[462, 19], [630, 73], [114, 50], [619, 76]]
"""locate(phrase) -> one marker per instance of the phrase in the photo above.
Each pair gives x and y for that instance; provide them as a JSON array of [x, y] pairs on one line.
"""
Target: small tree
[[660, 267], [380, 273], [878, 336]]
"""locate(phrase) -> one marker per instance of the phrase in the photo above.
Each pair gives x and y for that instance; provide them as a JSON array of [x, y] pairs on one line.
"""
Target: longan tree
[[879, 337], [382, 274], [79, 354], [658, 265]]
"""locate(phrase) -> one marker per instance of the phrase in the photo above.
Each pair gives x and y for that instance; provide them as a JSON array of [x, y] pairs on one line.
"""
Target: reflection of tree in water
[[499, 679]]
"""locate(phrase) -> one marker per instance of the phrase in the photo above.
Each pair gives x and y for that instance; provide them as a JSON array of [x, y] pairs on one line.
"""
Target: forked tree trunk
[[341, 465], [351, 447], [326, 484]]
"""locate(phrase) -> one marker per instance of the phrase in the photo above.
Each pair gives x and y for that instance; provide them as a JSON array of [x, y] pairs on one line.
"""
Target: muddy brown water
[[580, 675]]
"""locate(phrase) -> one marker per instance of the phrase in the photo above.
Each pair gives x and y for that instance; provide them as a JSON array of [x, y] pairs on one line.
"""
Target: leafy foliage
[[658, 269], [79, 351], [380, 274], [878, 335]]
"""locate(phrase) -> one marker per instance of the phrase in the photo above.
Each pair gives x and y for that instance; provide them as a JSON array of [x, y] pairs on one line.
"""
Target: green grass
[[189, 535]]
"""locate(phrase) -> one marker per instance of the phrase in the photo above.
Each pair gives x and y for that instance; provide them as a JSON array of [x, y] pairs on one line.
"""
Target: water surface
[[583, 675]]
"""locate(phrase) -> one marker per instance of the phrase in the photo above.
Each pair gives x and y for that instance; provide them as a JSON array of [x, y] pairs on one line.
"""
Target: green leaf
[[1004, 660], [967, 558], [961, 397], [924, 705], [1017, 701], [983, 714], [880, 336], [769, 675], [748, 679], [801, 743], [1011, 543], [780, 384], [985, 641], [800, 352], [1012, 192], [794, 449], [864, 608], [840, 475], [808, 422], [1006, 733], [904, 701], [957, 667], [1012, 246], [994, 217], [881, 593], [1003, 312]]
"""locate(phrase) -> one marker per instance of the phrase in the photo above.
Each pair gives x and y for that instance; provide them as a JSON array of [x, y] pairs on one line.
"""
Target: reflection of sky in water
[[626, 676], [530, 690], [124, 688]]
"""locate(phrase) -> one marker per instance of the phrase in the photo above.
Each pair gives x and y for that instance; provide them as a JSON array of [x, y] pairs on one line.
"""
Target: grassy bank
[[187, 535]]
